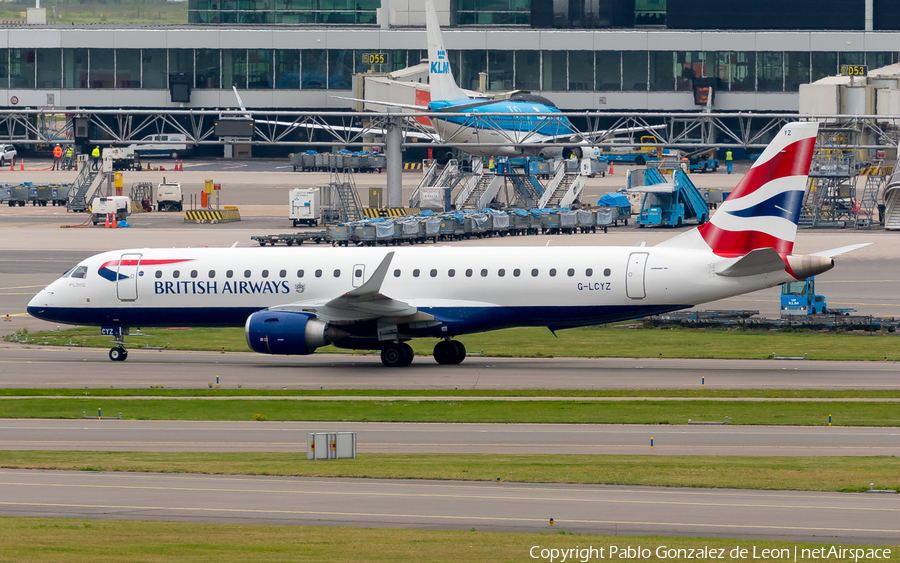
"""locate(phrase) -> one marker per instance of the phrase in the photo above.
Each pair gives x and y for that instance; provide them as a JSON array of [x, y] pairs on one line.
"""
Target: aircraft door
[[127, 277], [634, 275], [359, 275]]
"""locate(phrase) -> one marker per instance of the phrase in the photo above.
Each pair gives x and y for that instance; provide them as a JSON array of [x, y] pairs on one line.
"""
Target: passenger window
[[451, 273], [246, 273], [607, 272], [516, 272], [163, 137], [552, 272], [534, 273], [212, 274], [299, 274], [433, 273], [229, 274], [337, 273], [176, 274], [193, 273], [357, 273], [469, 273], [265, 273], [282, 274], [570, 272], [396, 273], [80, 272], [484, 273], [501, 272], [416, 273], [158, 274], [589, 272], [318, 273]]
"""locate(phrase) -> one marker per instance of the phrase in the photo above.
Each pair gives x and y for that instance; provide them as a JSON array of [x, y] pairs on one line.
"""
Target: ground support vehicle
[[290, 239], [800, 299], [103, 208], [670, 205], [702, 160], [304, 206], [169, 197]]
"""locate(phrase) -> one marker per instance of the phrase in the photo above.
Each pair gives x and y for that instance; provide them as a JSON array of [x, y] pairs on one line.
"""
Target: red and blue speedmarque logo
[[109, 270]]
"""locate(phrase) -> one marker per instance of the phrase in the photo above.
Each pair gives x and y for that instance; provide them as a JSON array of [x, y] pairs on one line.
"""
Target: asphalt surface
[[841, 518], [27, 367], [376, 437]]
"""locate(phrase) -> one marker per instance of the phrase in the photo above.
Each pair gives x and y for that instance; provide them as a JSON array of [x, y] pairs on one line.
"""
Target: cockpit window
[[80, 272], [68, 272]]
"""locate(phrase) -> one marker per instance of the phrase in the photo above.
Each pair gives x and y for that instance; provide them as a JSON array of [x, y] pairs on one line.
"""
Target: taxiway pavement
[[378, 437], [31, 367], [773, 515]]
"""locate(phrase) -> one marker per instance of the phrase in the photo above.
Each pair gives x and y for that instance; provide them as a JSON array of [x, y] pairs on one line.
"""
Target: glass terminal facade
[[320, 69]]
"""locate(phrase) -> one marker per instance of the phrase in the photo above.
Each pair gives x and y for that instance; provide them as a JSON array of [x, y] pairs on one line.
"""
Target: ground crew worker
[[95, 154], [57, 157], [491, 165], [728, 160], [70, 153]]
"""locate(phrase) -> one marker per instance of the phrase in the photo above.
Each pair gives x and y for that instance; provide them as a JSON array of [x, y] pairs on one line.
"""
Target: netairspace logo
[[795, 553]]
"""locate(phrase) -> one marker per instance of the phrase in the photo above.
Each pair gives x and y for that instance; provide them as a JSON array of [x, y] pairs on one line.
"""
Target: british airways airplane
[[295, 300]]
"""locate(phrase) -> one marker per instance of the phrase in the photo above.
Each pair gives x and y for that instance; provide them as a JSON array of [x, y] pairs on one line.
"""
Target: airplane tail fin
[[440, 76], [764, 208]]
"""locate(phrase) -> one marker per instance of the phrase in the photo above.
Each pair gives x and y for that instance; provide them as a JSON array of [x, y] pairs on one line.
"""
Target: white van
[[172, 145]]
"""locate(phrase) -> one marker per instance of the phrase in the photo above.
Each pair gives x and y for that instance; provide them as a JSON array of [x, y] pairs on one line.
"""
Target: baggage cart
[[364, 233], [586, 221], [477, 224], [321, 162], [377, 161], [549, 222], [568, 221], [432, 228], [339, 235], [500, 223]]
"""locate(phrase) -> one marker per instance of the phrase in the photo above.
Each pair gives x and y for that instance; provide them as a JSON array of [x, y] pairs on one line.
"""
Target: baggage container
[[549, 222], [340, 234]]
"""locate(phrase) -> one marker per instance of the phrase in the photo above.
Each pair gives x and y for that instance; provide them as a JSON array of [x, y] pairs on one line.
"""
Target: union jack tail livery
[[763, 210]]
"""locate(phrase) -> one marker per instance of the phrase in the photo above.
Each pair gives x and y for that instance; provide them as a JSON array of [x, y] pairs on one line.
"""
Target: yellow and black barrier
[[412, 165], [204, 216], [375, 212]]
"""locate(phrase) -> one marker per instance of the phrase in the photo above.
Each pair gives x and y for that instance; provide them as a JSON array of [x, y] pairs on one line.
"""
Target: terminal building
[[616, 55]]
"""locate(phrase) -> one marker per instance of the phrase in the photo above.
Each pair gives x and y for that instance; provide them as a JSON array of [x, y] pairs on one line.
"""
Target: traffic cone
[[107, 221], [114, 224], [12, 165], [612, 168], [22, 164]]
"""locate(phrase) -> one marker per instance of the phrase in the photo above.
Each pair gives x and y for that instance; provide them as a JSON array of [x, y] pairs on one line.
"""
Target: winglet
[[373, 285]]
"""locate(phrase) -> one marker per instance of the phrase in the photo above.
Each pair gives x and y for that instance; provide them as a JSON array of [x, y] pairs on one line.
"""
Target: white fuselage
[[467, 289]]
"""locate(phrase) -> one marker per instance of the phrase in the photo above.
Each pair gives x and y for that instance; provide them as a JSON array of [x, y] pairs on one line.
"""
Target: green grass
[[562, 412], [212, 392], [605, 341], [40, 540], [843, 474]]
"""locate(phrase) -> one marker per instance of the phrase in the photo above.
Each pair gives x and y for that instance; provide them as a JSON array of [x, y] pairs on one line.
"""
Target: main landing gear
[[397, 355], [449, 352], [400, 354]]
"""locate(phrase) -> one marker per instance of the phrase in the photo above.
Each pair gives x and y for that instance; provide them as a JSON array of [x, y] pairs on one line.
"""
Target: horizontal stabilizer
[[759, 261], [842, 250]]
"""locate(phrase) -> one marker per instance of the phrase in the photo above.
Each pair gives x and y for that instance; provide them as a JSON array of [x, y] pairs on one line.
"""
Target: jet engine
[[285, 332]]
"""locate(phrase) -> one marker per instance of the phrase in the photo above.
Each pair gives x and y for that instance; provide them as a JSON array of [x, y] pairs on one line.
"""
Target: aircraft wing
[[365, 302]]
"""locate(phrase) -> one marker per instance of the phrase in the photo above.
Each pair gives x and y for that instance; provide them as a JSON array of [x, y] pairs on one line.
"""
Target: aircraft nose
[[38, 304]]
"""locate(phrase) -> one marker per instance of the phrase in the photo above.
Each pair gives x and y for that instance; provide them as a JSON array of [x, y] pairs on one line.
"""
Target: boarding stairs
[[876, 176], [564, 188], [483, 194], [470, 182], [449, 176], [528, 190], [892, 203], [345, 195], [85, 188]]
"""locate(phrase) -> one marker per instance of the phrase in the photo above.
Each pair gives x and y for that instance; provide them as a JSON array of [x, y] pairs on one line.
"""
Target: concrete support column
[[394, 161], [869, 14]]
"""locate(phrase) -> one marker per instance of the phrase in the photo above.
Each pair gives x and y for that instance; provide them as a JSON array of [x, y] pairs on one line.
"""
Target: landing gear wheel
[[460, 354], [397, 355], [445, 352], [118, 354]]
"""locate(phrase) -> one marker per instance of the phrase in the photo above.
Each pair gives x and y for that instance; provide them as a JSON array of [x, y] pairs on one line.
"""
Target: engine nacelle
[[285, 332]]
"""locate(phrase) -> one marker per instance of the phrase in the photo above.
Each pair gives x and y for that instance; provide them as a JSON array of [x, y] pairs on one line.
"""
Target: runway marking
[[439, 517], [23, 286], [450, 496]]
